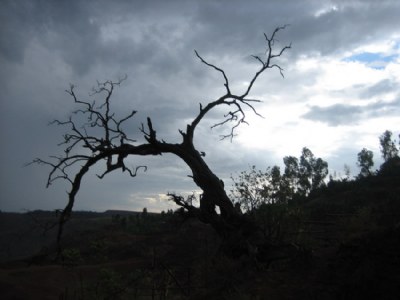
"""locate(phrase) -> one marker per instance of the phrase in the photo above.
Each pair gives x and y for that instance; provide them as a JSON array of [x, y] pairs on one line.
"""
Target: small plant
[[109, 285], [99, 249], [71, 257]]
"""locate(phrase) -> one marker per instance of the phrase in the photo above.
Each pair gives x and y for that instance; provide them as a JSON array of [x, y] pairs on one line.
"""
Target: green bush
[[71, 257]]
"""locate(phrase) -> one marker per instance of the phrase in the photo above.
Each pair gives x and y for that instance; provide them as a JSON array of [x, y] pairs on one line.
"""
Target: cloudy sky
[[340, 91]]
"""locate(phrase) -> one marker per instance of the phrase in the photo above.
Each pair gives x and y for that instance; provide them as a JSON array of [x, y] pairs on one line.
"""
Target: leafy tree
[[103, 139], [388, 146], [320, 171], [277, 183], [305, 170], [365, 160], [255, 188], [312, 171], [251, 188], [291, 174]]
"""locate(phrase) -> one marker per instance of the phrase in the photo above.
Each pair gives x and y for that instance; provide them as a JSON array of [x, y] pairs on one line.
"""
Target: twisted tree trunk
[[114, 146]]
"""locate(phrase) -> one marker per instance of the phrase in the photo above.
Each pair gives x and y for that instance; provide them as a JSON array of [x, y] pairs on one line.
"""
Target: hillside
[[345, 244]]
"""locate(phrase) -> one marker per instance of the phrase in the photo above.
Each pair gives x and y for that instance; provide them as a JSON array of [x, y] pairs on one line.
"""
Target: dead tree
[[113, 146]]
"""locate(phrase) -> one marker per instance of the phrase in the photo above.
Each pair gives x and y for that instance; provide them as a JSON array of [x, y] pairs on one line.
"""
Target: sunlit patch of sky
[[334, 106], [373, 60], [376, 55], [325, 10]]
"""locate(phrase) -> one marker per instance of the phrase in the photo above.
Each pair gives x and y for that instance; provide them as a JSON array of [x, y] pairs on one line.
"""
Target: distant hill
[[120, 212]]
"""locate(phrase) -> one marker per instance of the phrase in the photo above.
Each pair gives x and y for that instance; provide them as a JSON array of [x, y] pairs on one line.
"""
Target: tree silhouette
[[312, 171], [103, 139], [301, 176], [365, 160], [252, 188], [388, 146], [304, 174]]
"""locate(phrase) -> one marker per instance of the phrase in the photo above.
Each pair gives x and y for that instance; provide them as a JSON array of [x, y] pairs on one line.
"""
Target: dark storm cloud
[[48, 21], [345, 114], [74, 30], [323, 27], [20, 23], [346, 26]]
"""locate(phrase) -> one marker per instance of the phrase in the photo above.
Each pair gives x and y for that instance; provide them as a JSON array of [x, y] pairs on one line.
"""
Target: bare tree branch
[[266, 63], [226, 84], [185, 203], [86, 147], [238, 116]]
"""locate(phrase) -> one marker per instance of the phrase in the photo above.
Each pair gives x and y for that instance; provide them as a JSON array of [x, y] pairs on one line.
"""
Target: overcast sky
[[340, 91]]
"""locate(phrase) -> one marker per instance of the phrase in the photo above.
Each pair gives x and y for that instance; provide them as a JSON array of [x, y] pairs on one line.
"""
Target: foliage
[[253, 188], [312, 172], [281, 202], [390, 167], [71, 257], [388, 146], [365, 160], [250, 188], [341, 238], [99, 249], [271, 198]]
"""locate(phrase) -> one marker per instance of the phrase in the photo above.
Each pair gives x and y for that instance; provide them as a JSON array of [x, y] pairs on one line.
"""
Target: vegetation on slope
[[338, 239]]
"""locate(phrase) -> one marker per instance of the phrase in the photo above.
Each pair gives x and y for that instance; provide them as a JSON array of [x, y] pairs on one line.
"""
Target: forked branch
[[102, 138], [236, 116]]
